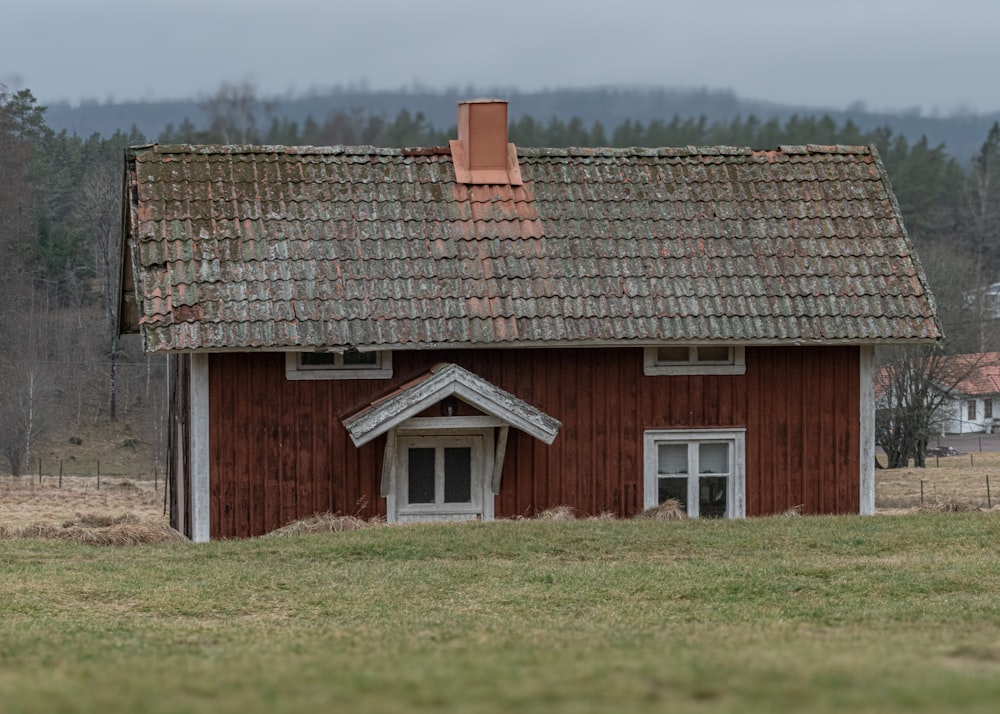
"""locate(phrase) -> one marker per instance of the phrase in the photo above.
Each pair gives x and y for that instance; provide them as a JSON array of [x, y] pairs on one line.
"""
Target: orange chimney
[[481, 154]]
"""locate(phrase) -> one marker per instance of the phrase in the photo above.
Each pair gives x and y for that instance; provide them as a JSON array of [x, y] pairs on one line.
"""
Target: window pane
[[672, 354], [363, 358], [713, 458], [714, 354], [420, 476], [676, 488], [317, 359], [673, 459], [457, 475], [987, 408], [712, 496]]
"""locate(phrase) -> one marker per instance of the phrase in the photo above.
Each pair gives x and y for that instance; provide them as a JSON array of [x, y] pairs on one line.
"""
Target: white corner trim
[[200, 492], [867, 416]]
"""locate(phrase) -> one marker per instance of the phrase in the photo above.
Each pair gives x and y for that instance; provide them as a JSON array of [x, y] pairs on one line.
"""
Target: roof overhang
[[441, 382]]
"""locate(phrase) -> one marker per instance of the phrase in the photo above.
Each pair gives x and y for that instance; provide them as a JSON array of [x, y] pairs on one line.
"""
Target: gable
[[441, 382], [291, 248]]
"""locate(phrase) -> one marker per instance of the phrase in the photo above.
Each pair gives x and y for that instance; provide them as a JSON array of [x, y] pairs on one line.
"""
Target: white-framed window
[[440, 475], [694, 359], [703, 469], [338, 365]]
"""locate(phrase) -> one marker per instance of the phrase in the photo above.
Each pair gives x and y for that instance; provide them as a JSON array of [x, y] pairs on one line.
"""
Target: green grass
[[802, 614]]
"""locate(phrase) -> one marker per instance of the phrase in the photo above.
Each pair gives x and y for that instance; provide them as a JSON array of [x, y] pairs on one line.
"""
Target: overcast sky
[[940, 55]]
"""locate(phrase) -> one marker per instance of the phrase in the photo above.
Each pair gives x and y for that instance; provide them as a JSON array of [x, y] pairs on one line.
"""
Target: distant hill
[[962, 135]]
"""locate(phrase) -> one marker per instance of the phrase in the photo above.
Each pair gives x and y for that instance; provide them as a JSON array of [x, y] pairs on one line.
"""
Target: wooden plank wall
[[280, 451]]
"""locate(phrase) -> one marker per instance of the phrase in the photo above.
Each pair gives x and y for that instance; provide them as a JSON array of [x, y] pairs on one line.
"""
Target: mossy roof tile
[[256, 247]]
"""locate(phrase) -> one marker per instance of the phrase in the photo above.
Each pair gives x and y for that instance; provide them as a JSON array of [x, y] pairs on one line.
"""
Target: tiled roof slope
[[242, 247], [974, 374]]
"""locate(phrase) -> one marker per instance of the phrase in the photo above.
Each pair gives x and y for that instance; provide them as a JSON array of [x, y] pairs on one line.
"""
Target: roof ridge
[[339, 149], [525, 152]]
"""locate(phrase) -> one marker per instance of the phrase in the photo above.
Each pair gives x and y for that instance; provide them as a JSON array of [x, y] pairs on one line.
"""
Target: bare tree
[[913, 386], [25, 401], [233, 112], [99, 212], [964, 310]]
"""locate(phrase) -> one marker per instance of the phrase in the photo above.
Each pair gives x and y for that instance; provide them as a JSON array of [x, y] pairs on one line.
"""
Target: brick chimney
[[481, 154]]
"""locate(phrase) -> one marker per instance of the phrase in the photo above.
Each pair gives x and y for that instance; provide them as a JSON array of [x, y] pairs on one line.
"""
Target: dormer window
[[694, 359], [351, 364]]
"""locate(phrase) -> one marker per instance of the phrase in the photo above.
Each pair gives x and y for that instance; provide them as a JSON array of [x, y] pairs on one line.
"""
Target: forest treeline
[[611, 106], [60, 213]]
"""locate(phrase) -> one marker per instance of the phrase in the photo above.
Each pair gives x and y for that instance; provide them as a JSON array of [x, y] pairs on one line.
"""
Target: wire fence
[[54, 473]]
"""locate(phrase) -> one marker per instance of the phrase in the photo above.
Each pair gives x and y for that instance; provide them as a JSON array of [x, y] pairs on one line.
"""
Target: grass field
[[887, 614], [899, 613]]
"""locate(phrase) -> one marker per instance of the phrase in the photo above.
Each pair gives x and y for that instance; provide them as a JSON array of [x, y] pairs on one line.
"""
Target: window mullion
[[439, 475], [694, 480]]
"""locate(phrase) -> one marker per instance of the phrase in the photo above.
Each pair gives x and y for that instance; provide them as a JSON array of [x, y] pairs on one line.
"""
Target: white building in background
[[975, 406]]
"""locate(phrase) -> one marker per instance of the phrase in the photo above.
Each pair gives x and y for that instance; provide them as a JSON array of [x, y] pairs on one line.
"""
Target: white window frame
[[736, 486], [382, 369], [439, 442], [450, 431], [736, 364]]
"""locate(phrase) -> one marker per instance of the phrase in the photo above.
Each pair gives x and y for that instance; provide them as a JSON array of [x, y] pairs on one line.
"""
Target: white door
[[440, 478]]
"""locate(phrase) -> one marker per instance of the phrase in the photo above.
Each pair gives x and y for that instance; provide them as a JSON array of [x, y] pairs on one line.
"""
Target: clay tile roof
[[256, 247], [977, 373]]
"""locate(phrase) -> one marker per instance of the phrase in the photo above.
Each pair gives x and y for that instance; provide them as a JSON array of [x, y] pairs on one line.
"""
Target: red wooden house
[[481, 331]]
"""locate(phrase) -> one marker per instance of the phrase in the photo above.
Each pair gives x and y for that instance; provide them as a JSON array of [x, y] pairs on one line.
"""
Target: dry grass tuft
[[99, 530], [123, 534], [557, 513], [324, 523], [604, 516], [669, 510], [100, 520]]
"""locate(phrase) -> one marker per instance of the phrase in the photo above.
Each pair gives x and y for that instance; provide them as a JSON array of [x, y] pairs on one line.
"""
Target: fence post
[[989, 501], [98, 474], [39, 469], [60, 472], [921, 492]]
